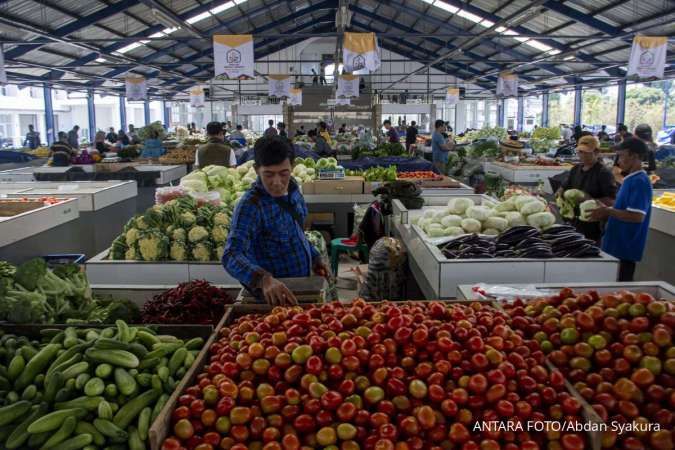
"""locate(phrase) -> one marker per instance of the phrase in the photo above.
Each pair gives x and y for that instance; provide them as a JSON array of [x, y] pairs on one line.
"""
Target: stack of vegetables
[[230, 183], [572, 204], [86, 388], [153, 131], [545, 139], [375, 173], [462, 216], [420, 175], [666, 201], [182, 155], [306, 170], [382, 150], [497, 133], [484, 148], [130, 151], [179, 230]]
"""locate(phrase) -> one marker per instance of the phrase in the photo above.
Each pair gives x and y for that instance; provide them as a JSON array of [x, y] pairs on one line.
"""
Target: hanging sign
[[295, 97], [3, 74], [452, 96], [233, 55], [507, 85], [136, 88], [279, 86], [360, 51], [348, 86], [647, 57], [197, 97]]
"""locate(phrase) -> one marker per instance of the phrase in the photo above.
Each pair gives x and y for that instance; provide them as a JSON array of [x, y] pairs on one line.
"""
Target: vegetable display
[[382, 150], [195, 302], [420, 175], [153, 131], [87, 388], [497, 133], [129, 152], [488, 148], [617, 351], [375, 173], [178, 230], [230, 183], [545, 139], [373, 376], [523, 242]]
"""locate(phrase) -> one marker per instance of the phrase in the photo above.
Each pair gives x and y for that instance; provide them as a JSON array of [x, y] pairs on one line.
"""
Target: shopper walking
[[602, 134], [61, 152], [628, 220], [111, 136], [74, 138], [215, 152], [266, 240], [282, 130], [440, 147], [32, 140], [270, 131], [392, 134], [411, 135], [593, 178]]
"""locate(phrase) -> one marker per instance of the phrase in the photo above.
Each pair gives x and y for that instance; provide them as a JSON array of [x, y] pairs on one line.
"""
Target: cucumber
[[36, 440], [70, 339], [135, 442], [159, 353], [28, 352], [36, 365], [108, 428], [84, 402], [76, 369], [20, 434], [29, 393], [66, 355], [81, 380], [5, 385], [88, 428], [194, 343], [177, 359], [111, 390], [143, 379], [67, 363], [120, 358], [103, 370], [146, 338], [132, 409], [13, 412], [16, 366], [168, 347], [105, 411], [108, 332], [144, 423], [163, 373], [156, 382], [149, 363], [49, 333], [64, 431], [39, 380], [12, 397], [158, 406], [189, 360], [91, 335], [77, 442], [57, 338], [54, 419], [62, 395], [123, 332], [125, 382], [94, 387], [110, 344]]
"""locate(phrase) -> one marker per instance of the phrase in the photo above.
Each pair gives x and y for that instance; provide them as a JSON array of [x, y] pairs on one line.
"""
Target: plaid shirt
[[265, 238]]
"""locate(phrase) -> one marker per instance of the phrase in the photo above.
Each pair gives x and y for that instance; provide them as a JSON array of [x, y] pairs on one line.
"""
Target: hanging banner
[[3, 74], [197, 97], [360, 51], [295, 97], [348, 86], [507, 85], [136, 88], [233, 55], [452, 96], [647, 57], [279, 86]]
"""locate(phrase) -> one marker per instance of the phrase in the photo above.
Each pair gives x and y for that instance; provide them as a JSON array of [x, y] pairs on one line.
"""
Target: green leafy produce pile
[[153, 131], [375, 173], [382, 150], [485, 148], [484, 133], [544, 139], [34, 293], [130, 152], [179, 230], [568, 203], [87, 388]]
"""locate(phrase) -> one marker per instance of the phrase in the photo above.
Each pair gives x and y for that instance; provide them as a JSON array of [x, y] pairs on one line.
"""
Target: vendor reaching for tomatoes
[[266, 239]]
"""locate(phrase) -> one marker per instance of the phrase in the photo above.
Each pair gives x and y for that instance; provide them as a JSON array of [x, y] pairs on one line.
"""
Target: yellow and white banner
[[507, 85], [348, 86], [452, 96], [648, 57], [197, 97], [137, 89], [233, 55], [279, 85], [3, 74], [295, 99], [360, 51]]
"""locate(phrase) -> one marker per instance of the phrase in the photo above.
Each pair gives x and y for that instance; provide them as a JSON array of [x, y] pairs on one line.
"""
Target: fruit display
[[618, 352], [561, 241], [178, 230], [665, 201], [184, 155], [462, 216], [373, 376], [40, 152], [195, 302], [420, 175], [87, 388]]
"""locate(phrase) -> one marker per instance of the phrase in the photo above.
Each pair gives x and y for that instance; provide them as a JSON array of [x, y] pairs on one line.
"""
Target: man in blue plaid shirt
[[266, 239]]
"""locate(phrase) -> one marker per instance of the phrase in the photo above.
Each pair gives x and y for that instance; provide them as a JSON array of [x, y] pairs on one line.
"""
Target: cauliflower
[[451, 221], [585, 209], [188, 219], [459, 205], [179, 234], [202, 251], [497, 223], [491, 232], [118, 248], [471, 225], [541, 220], [153, 246], [479, 213], [535, 206], [131, 254], [140, 223], [219, 233], [197, 233], [178, 251], [131, 236], [219, 252]]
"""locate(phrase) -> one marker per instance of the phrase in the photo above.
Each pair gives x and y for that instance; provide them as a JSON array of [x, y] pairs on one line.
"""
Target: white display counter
[[101, 270], [525, 174], [31, 223], [167, 174], [91, 195], [657, 261]]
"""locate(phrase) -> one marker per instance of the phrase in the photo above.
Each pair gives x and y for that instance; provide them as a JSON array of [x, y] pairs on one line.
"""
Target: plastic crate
[[64, 258]]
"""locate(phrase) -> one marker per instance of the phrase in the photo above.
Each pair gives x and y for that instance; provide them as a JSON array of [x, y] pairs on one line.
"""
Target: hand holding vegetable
[[600, 213]]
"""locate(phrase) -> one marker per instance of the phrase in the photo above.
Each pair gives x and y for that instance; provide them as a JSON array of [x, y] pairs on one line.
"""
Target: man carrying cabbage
[[588, 180]]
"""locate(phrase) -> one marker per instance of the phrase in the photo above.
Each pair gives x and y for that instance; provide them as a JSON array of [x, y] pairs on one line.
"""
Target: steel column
[[621, 103], [123, 113], [91, 113], [577, 105], [49, 114], [500, 112], [167, 114], [146, 111], [520, 115], [544, 109]]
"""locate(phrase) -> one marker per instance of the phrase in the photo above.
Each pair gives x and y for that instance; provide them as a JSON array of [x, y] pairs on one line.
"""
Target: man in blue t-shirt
[[440, 147], [628, 220]]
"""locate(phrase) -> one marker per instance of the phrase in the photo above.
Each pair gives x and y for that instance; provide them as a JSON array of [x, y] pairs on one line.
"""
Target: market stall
[[657, 260], [525, 174]]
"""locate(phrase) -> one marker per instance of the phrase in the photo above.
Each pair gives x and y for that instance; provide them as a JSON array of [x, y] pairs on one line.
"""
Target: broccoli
[[179, 234], [29, 273], [178, 251], [20, 306], [202, 251], [197, 233], [219, 233], [131, 236], [153, 246], [205, 216], [187, 219], [153, 217], [118, 247], [131, 254]]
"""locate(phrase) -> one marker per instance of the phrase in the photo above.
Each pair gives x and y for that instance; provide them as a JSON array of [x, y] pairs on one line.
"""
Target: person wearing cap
[[594, 179], [644, 133], [628, 220]]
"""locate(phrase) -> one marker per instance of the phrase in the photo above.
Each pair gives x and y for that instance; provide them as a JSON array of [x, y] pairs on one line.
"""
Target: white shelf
[[30, 223]]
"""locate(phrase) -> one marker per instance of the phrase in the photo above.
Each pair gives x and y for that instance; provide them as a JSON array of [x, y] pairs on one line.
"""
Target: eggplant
[[557, 229]]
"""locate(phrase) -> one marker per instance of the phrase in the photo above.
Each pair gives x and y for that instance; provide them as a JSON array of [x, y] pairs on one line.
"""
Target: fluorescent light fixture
[[446, 7], [486, 23], [470, 16], [130, 47], [239, 2], [539, 45], [554, 52], [221, 8], [198, 17], [170, 30], [430, 2], [500, 29], [507, 32], [101, 60], [159, 34], [568, 58], [521, 39]]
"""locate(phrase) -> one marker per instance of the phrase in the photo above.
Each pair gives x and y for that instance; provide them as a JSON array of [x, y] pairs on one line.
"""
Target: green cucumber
[[76, 369], [88, 428], [135, 442], [177, 359], [64, 431], [132, 409], [105, 410], [144, 423], [146, 338], [36, 440], [36, 365], [163, 373], [108, 332], [81, 380], [143, 379], [13, 412], [29, 393], [120, 358], [103, 370], [108, 428], [125, 382], [158, 406], [194, 343], [20, 434], [54, 419], [28, 352], [91, 335], [149, 363], [84, 402], [94, 387], [77, 442], [16, 366]]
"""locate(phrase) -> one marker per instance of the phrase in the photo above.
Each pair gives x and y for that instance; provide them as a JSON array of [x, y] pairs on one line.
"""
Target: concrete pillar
[[544, 109], [49, 114], [91, 114]]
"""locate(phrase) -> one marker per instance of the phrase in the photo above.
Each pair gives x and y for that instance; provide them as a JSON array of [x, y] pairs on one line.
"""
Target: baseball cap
[[633, 145], [587, 144]]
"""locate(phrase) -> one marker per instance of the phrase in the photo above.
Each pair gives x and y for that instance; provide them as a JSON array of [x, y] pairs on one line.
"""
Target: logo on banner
[[360, 51], [359, 62], [234, 57], [647, 57]]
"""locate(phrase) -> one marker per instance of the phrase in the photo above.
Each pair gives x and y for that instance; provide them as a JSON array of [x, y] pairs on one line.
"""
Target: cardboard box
[[350, 185], [307, 188]]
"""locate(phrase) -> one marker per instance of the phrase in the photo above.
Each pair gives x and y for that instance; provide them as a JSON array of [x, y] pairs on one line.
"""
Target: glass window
[[511, 113], [156, 113], [135, 113], [532, 112], [598, 107], [70, 110], [107, 109], [480, 114], [645, 104], [491, 120], [19, 109], [561, 108]]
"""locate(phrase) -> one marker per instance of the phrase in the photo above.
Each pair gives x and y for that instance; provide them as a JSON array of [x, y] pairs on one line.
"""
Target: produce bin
[[658, 289], [101, 270], [139, 294]]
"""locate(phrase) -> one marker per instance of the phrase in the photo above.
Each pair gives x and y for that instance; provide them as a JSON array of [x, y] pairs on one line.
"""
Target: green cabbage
[[471, 225], [585, 210]]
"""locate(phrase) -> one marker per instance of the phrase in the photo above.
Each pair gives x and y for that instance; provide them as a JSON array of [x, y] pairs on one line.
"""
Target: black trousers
[[626, 270]]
